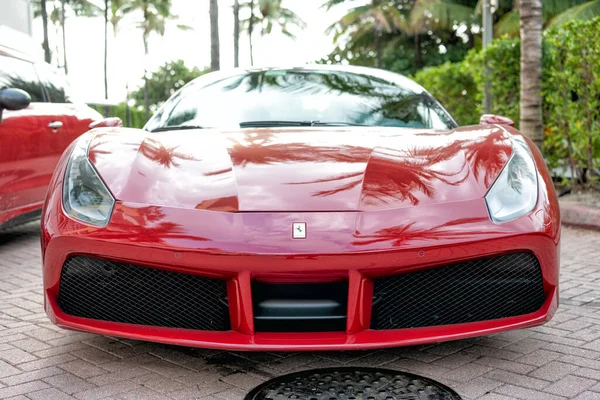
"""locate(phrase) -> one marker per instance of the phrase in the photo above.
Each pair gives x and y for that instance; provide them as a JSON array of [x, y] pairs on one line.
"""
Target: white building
[[17, 14]]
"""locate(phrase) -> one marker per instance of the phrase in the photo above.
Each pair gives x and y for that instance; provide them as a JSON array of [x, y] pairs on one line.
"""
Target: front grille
[[479, 290], [112, 291]]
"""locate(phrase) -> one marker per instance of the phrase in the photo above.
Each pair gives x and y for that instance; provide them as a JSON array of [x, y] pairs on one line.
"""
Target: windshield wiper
[[268, 124], [176, 128]]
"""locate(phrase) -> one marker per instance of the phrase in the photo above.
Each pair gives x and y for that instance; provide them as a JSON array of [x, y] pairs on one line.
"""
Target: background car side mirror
[[107, 123], [13, 99], [491, 119]]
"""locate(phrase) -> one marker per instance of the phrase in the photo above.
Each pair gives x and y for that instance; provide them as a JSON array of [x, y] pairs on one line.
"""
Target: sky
[[85, 45]]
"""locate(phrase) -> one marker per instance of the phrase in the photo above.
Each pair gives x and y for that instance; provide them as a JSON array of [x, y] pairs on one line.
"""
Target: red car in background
[[35, 128]]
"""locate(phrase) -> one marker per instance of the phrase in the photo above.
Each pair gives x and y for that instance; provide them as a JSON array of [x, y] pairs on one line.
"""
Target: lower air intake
[[479, 290], [118, 292]]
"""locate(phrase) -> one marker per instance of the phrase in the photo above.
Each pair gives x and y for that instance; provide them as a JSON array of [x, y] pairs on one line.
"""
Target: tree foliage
[[407, 35], [572, 96], [570, 89], [165, 81], [453, 85]]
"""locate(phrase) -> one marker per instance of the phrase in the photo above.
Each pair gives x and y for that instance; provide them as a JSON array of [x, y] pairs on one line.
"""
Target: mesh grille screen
[[118, 292], [484, 289]]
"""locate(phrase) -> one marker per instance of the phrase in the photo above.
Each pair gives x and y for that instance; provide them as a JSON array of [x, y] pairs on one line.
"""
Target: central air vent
[[303, 307]]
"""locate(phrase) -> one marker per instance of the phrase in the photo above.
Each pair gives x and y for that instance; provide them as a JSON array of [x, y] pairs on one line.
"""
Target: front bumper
[[353, 246]]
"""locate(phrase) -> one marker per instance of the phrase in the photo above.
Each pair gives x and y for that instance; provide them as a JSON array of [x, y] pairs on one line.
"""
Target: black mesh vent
[[112, 291], [484, 289]]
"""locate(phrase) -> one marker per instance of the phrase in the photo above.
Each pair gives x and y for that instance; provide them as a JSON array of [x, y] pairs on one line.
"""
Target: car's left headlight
[[85, 197], [515, 191]]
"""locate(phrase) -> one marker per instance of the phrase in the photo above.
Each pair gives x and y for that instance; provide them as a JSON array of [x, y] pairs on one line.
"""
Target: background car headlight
[[85, 197], [515, 192]]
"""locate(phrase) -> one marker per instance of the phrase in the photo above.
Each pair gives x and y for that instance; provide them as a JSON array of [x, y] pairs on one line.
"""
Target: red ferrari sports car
[[306, 208]]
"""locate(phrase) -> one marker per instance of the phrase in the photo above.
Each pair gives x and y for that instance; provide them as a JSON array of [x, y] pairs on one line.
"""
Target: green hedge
[[137, 117], [570, 89], [455, 88], [572, 97]]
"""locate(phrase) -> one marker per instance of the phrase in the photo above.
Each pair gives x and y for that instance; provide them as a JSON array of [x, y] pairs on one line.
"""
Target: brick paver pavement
[[39, 361]]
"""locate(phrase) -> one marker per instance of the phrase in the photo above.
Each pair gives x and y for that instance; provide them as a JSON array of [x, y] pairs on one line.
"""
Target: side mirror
[[107, 123], [491, 119], [13, 99]]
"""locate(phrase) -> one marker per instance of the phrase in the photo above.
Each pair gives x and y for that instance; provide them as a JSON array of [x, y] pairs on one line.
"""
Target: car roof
[[17, 44]]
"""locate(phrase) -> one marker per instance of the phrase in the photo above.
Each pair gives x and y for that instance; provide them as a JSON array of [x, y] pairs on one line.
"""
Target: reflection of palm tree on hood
[[163, 155], [488, 155], [152, 226], [401, 234], [400, 175], [393, 175], [258, 153]]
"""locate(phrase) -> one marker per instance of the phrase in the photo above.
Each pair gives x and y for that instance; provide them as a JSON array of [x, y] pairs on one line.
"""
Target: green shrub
[[502, 58], [453, 85], [570, 90], [137, 117], [572, 97]]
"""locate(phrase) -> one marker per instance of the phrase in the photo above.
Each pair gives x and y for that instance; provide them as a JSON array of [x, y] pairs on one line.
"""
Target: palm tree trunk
[[146, 89], [378, 47], [418, 55], [56, 43], [47, 56], [64, 36], [236, 33], [106, 49], [250, 28], [215, 62], [531, 70]]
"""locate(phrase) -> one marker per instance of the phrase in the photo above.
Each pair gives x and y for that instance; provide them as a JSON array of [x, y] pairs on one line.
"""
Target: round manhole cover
[[352, 384]]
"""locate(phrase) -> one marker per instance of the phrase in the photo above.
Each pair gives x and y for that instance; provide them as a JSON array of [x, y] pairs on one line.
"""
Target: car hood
[[312, 169]]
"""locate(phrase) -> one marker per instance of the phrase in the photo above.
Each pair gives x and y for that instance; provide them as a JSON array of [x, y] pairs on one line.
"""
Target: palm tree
[[214, 36], [554, 12], [236, 33], [106, 49], [40, 9], [114, 19], [83, 8], [64, 35], [155, 14], [372, 19], [270, 13], [44, 13], [531, 70], [251, 29]]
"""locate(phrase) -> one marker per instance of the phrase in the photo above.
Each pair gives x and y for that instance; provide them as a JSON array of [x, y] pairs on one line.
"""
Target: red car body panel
[[31, 150], [193, 202]]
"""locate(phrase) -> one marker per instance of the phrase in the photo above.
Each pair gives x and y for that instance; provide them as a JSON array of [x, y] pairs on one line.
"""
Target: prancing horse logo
[[299, 230]]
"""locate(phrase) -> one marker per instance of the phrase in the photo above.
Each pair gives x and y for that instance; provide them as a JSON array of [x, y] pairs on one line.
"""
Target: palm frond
[[441, 14], [586, 11], [552, 8], [509, 24], [332, 3]]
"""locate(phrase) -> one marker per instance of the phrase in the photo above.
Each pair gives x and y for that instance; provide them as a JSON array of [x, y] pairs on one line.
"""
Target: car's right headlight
[[515, 191], [85, 197]]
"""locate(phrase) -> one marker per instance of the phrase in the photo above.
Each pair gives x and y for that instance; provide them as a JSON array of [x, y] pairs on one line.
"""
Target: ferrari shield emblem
[[299, 230]]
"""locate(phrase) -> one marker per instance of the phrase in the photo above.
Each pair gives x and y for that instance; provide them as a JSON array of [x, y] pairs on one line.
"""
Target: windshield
[[328, 97]]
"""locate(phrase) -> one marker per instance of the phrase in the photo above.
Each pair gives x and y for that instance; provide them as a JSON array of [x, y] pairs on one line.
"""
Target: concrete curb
[[579, 215]]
